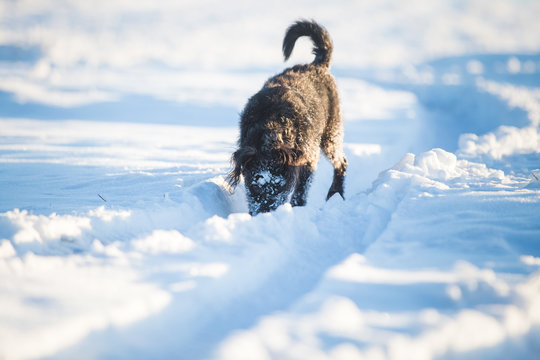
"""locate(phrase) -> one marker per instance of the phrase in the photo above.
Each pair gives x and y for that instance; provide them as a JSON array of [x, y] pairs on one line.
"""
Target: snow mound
[[507, 140], [50, 303], [164, 241]]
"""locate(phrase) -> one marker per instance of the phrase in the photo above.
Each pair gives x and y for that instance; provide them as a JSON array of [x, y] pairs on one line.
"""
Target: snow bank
[[352, 313], [503, 142], [507, 140], [49, 303]]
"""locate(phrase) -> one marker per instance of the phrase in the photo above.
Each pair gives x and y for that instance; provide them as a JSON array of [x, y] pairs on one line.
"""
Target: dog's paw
[[331, 193]]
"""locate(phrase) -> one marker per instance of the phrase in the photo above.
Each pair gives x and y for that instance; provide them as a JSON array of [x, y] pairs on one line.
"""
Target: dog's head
[[269, 176]]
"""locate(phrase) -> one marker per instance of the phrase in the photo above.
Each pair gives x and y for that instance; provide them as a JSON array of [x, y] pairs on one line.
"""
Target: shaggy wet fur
[[284, 125]]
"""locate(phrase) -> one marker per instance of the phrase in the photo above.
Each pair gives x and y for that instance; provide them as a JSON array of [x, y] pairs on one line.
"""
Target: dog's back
[[293, 108], [284, 126]]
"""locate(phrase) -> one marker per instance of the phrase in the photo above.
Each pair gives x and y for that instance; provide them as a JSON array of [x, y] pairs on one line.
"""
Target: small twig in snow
[[101, 197]]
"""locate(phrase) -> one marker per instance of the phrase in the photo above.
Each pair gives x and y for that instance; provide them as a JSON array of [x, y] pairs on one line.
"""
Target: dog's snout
[[259, 180]]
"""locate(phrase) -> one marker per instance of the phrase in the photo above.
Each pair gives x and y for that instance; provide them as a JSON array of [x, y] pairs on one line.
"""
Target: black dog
[[284, 125]]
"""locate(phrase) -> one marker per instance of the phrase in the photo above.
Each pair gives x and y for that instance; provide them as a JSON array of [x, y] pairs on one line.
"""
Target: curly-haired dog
[[284, 125]]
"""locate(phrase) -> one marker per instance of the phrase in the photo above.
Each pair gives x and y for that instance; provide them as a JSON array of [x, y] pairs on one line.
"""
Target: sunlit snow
[[119, 237]]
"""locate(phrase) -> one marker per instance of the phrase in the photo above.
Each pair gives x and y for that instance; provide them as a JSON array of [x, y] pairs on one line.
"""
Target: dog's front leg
[[338, 180], [299, 197]]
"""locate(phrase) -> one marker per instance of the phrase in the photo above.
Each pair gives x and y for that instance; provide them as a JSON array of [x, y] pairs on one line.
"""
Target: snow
[[119, 237], [162, 241]]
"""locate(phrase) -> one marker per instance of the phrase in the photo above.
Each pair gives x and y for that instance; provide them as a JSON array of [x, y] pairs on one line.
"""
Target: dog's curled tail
[[319, 36]]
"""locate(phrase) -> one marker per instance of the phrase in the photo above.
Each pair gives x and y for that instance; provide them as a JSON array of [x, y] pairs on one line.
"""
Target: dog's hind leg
[[299, 196]]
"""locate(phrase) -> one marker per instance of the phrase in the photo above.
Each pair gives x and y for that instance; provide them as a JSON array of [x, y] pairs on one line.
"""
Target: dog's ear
[[291, 157], [240, 158]]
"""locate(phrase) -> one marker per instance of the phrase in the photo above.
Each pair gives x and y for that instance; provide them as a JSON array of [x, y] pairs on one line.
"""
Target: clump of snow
[[31, 228], [438, 164], [262, 178], [109, 215], [442, 170], [265, 177], [507, 140], [220, 229], [163, 241], [6, 250]]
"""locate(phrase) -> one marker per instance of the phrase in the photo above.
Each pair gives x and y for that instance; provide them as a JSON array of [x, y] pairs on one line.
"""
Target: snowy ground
[[120, 239]]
